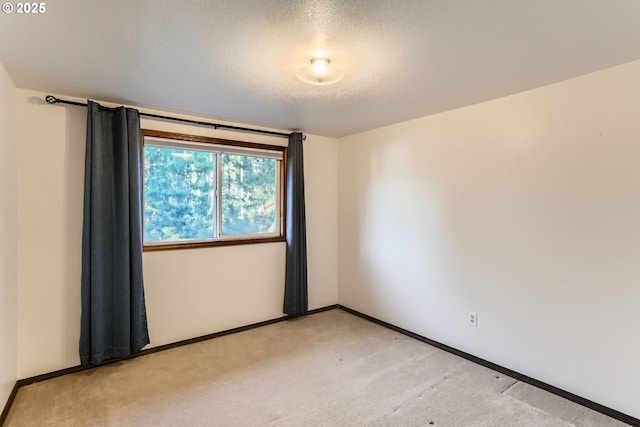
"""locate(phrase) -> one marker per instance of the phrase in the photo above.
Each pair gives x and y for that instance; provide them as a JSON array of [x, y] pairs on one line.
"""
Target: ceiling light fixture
[[320, 71]]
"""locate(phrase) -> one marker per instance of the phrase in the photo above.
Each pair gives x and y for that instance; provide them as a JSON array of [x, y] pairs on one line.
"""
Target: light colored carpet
[[327, 369]]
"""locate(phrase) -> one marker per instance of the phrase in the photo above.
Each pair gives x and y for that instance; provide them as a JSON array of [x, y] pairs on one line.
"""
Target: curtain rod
[[53, 100]]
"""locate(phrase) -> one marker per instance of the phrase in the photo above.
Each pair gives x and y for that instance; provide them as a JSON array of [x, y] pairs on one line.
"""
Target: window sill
[[172, 246]]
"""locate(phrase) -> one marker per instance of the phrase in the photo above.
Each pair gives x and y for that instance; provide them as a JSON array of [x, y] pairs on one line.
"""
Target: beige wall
[[524, 209], [8, 236], [189, 292]]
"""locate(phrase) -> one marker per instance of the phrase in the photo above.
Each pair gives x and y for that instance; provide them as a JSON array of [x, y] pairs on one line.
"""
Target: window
[[201, 191]]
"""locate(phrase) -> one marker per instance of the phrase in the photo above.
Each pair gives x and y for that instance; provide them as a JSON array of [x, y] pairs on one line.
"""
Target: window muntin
[[203, 191]]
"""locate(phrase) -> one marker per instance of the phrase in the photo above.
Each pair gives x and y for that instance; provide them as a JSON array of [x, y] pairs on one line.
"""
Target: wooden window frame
[[233, 143]]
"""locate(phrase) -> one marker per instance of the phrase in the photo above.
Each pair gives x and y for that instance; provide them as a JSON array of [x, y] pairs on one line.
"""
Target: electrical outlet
[[473, 318]]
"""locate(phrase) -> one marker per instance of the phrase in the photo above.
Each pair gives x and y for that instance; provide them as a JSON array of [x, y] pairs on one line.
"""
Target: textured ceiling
[[236, 60]]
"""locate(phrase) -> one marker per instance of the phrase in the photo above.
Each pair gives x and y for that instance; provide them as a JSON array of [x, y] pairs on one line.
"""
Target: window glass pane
[[179, 194], [249, 196]]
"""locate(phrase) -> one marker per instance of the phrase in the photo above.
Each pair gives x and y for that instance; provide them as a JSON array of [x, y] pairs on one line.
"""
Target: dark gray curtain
[[114, 318], [295, 287]]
